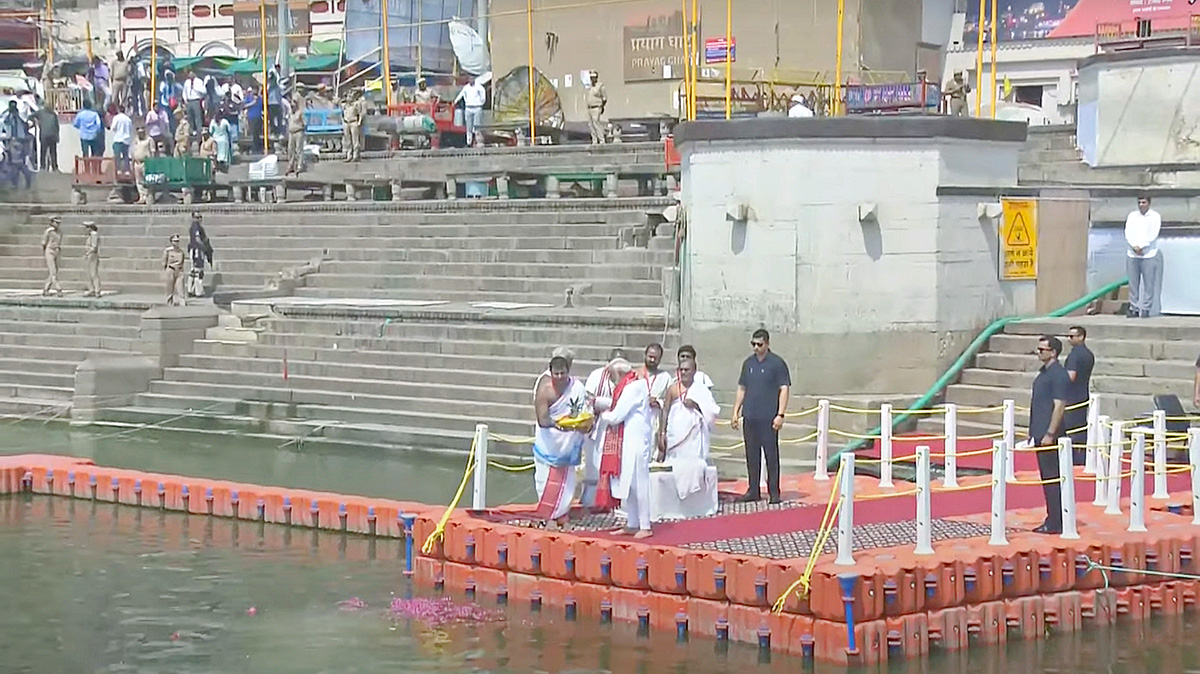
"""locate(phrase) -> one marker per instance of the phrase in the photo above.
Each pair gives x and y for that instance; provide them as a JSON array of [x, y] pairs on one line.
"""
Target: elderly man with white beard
[[631, 423]]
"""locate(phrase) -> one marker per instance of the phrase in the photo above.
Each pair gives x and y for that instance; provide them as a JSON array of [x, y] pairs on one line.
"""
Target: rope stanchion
[[845, 556], [1093, 434], [1194, 459], [1113, 507], [1009, 436], [885, 445], [1099, 465], [1137, 485], [924, 506], [1066, 468], [950, 447], [479, 495], [1160, 456], [822, 472], [999, 460]]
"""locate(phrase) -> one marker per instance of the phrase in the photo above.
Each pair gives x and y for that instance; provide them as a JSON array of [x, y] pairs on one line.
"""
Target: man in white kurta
[[599, 387], [632, 411], [691, 415], [557, 450]]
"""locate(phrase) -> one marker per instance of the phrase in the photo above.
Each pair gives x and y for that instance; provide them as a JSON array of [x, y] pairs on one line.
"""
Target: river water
[[93, 587]]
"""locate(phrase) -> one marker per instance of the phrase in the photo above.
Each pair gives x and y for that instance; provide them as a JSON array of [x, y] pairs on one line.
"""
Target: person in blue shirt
[[89, 125], [254, 118]]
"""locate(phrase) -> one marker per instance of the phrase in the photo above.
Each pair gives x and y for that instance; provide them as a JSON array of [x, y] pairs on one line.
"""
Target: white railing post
[[1115, 450], [950, 480], [999, 485], [479, 497], [924, 505], [1093, 435], [1101, 483], [1066, 469], [845, 552], [885, 445], [1160, 456], [1010, 439], [822, 473], [1137, 484], [1194, 460]]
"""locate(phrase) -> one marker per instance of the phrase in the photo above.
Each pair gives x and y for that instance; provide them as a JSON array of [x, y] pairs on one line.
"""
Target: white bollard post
[[1101, 483], [1194, 459], [1137, 484], [1160, 456], [1066, 468], [999, 485], [1010, 439], [822, 473], [845, 554], [885, 445], [479, 497], [1093, 435], [950, 480], [1115, 451], [924, 505]]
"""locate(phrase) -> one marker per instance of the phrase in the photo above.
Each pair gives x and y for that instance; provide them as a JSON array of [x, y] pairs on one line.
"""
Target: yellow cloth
[[570, 423]]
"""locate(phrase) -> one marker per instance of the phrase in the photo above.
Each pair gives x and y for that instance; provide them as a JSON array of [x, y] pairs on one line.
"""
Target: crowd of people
[[623, 418]]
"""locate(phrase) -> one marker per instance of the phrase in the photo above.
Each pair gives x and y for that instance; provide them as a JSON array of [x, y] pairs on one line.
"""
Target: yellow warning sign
[[1018, 239]]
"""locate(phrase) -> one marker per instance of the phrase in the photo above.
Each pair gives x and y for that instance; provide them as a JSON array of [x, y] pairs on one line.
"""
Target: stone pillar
[[502, 186], [451, 188], [167, 332], [108, 380]]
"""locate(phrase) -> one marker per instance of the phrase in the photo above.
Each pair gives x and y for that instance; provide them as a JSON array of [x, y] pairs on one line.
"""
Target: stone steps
[[496, 241], [421, 334], [315, 290]]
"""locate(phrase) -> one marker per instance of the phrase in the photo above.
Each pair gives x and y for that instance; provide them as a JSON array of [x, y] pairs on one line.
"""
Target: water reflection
[[98, 587]]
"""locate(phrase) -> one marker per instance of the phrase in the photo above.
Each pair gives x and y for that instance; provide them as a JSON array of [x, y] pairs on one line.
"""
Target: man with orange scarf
[[628, 444]]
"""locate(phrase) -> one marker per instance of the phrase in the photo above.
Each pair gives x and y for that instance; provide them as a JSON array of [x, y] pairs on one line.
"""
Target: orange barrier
[[901, 605]]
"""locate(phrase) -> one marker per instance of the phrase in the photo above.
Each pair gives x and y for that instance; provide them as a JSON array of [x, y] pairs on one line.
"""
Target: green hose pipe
[[968, 354]]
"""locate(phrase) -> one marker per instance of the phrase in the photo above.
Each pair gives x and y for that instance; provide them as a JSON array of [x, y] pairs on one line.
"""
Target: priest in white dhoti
[[631, 420], [688, 488], [563, 421]]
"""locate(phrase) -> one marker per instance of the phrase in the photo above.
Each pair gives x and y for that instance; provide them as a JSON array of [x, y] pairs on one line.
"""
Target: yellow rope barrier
[[511, 469], [856, 436], [942, 490], [980, 410], [1037, 483], [880, 497], [832, 508], [440, 530], [512, 440]]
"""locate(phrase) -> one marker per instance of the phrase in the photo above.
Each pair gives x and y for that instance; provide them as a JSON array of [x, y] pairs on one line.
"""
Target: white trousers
[[637, 505]]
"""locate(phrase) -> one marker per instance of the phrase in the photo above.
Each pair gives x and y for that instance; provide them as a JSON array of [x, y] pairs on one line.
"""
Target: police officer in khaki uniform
[[296, 136], [52, 251], [957, 92], [173, 272], [91, 259], [353, 114], [597, 100]]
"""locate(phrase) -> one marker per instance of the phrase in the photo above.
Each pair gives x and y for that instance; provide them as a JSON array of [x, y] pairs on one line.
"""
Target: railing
[[1140, 34]]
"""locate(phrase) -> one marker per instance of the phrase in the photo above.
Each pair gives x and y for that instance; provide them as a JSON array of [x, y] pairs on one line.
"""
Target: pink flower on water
[[441, 611]]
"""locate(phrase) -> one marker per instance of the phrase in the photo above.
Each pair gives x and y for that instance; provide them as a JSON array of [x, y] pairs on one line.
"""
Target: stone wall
[[870, 280]]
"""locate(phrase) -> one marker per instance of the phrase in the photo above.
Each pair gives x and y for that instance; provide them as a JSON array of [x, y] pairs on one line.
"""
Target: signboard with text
[[653, 47], [716, 51], [1018, 239], [247, 34]]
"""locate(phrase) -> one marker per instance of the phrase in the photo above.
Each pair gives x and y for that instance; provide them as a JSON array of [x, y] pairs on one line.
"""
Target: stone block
[[166, 332], [104, 381]]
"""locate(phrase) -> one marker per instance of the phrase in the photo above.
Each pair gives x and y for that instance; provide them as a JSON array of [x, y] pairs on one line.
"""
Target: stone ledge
[[923, 127]]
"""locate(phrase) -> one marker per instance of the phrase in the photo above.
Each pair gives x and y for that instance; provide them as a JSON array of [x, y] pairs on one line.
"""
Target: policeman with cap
[[91, 259], [52, 250], [172, 262]]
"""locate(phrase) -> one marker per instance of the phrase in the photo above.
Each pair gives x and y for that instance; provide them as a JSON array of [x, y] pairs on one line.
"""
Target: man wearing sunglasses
[[762, 399], [1047, 409]]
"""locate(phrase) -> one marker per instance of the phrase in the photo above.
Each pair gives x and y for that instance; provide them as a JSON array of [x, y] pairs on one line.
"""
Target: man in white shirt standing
[[1143, 264], [193, 97], [122, 135], [473, 96]]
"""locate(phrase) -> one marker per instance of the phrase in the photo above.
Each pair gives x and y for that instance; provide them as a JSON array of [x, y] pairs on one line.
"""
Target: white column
[[1137, 484], [950, 480], [885, 445], [1160, 456], [1101, 483], [1093, 435], [1115, 451], [1066, 468], [1194, 459], [1010, 439], [822, 473], [999, 485], [924, 506], [479, 498], [845, 555]]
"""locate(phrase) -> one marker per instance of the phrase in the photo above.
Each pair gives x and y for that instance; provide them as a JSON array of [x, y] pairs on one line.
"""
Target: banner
[[1041, 19], [247, 34]]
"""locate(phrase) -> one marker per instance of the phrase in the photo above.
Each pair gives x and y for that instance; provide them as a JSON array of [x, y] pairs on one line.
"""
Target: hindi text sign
[[1018, 239]]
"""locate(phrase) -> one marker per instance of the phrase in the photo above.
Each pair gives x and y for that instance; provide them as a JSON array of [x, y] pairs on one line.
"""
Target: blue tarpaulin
[[364, 32]]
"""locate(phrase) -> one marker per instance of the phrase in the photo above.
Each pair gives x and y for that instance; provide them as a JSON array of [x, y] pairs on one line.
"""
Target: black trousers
[[49, 158], [761, 440], [1048, 467]]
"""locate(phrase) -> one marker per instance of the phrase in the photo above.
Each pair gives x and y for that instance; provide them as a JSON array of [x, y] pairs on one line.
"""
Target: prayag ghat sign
[[653, 48], [247, 34]]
